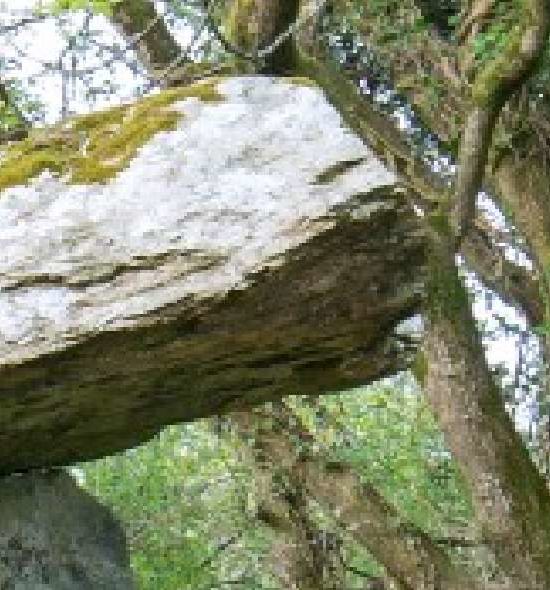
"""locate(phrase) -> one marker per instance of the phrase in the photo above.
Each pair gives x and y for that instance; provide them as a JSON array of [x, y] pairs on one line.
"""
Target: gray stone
[[55, 536]]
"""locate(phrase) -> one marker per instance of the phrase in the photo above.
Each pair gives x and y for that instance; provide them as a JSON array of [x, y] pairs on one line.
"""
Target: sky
[[34, 56]]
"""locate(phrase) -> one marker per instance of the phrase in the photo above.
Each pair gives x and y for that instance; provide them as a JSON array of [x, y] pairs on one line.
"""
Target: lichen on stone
[[94, 148], [301, 81]]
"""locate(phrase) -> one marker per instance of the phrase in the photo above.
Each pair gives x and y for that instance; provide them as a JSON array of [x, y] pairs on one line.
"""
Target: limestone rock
[[257, 249], [55, 536]]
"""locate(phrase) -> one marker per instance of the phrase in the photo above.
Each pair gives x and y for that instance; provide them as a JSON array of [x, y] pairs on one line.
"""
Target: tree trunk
[[304, 556], [410, 557], [252, 25], [512, 501], [155, 45]]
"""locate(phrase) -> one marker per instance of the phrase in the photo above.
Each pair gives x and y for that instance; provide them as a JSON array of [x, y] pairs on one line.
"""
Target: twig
[[220, 548], [23, 22]]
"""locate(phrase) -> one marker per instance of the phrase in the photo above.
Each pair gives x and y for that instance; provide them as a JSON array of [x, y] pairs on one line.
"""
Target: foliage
[[492, 39], [188, 9], [9, 119], [16, 108], [99, 6], [180, 496], [188, 489], [390, 436]]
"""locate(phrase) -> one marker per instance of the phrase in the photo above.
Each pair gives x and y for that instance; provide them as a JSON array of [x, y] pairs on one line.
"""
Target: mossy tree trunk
[[252, 25], [511, 497], [249, 25], [140, 21], [512, 500], [303, 556], [492, 87]]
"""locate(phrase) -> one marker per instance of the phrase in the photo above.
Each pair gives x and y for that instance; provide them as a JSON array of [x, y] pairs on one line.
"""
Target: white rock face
[[225, 194], [259, 249]]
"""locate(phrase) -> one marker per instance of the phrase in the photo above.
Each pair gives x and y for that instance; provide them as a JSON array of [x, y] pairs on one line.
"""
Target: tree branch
[[513, 283], [411, 559], [148, 32], [492, 87], [516, 285]]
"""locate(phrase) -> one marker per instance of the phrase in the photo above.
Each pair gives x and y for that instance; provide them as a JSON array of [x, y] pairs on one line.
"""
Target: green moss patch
[[301, 81], [94, 148]]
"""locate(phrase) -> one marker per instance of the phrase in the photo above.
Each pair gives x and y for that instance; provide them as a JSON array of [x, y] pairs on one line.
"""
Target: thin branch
[[23, 23], [220, 548], [479, 12]]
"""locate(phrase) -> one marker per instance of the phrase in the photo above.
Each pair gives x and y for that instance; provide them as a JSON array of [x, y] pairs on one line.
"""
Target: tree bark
[[252, 25], [155, 45], [304, 556], [412, 560], [512, 501], [491, 89]]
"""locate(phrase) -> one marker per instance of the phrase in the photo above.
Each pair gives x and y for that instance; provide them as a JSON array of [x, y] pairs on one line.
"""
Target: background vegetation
[[188, 501]]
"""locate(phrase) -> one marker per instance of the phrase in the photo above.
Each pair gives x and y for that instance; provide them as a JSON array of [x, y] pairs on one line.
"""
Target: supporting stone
[[55, 536]]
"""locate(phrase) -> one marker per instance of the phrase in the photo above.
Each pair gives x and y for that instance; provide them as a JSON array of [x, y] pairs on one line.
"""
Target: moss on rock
[[301, 81], [94, 148]]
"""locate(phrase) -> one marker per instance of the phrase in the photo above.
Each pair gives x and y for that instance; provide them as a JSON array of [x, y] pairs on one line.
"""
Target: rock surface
[[257, 250], [55, 536]]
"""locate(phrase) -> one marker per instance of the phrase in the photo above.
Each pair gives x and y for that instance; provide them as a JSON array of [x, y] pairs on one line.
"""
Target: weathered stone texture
[[55, 536], [257, 250]]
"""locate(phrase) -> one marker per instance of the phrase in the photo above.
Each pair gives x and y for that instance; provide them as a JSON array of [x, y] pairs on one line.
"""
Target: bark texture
[[282, 442], [253, 25], [148, 33], [512, 500], [492, 87]]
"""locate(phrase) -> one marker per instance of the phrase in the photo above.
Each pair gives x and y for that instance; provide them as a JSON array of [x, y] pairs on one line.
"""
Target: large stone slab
[[259, 249]]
